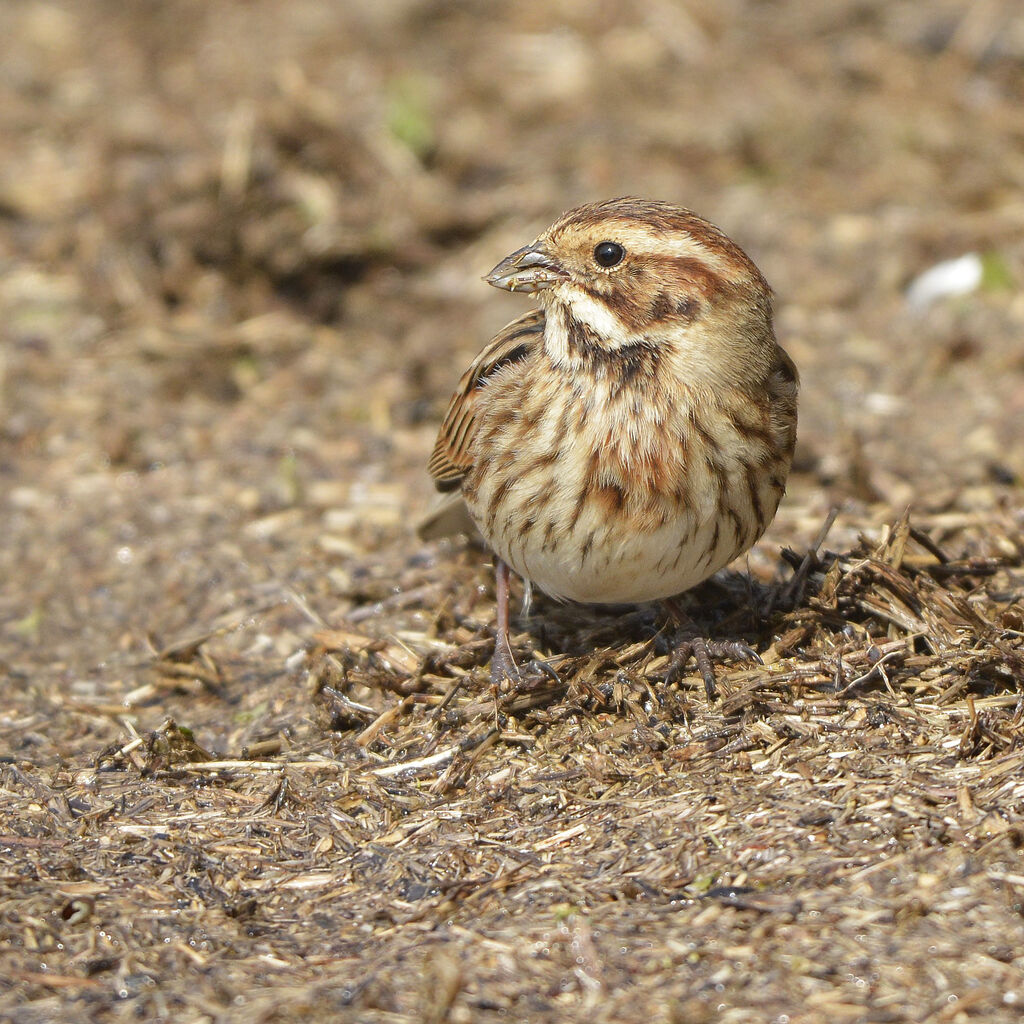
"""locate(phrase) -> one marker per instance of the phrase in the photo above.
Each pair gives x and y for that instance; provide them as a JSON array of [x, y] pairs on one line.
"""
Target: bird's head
[[631, 271]]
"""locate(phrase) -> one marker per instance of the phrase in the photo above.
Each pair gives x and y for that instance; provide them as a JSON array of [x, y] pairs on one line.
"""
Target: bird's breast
[[609, 494]]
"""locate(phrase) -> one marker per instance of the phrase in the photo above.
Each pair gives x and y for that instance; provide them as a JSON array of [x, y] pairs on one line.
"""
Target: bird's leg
[[701, 649], [503, 665]]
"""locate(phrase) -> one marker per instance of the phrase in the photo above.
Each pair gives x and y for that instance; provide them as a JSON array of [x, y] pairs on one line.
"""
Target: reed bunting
[[631, 436]]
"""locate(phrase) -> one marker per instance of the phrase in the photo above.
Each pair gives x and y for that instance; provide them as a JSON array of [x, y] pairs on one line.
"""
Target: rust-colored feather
[[452, 456]]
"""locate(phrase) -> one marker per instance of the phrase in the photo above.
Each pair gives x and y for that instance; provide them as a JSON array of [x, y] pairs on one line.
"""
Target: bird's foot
[[505, 672], [509, 679], [703, 651]]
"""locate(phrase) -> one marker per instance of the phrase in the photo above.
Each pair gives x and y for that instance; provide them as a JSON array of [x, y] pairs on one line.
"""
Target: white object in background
[[951, 277]]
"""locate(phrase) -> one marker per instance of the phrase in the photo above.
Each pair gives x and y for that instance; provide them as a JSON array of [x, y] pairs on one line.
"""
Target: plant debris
[[251, 766]]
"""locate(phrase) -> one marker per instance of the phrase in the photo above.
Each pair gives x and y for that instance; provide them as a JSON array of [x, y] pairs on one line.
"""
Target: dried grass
[[251, 766], [843, 825]]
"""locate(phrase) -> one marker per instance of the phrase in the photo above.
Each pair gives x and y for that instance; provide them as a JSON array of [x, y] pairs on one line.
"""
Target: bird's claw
[[703, 651], [505, 671]]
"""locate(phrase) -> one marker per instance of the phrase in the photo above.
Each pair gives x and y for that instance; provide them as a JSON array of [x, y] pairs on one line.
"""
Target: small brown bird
[[633, 435]]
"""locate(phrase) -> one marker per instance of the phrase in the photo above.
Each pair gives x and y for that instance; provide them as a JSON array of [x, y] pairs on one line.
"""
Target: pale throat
[[592, 314]]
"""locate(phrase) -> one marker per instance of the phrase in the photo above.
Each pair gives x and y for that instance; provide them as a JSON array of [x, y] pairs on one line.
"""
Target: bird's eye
[[609, 254]]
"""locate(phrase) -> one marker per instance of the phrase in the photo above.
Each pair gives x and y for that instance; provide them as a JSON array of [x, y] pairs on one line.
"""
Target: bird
[[633, 434]]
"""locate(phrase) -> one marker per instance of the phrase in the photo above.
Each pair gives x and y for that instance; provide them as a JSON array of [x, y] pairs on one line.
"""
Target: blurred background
[[240, 256]]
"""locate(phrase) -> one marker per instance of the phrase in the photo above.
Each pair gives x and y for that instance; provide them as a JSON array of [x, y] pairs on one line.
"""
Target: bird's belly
[[618, 565], [587, 546]]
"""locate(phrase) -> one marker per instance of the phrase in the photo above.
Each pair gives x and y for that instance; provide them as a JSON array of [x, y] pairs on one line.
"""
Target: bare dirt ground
[[250, 768]]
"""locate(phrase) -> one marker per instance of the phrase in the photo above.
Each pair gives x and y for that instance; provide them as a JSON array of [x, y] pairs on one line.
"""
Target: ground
[[251, 767]]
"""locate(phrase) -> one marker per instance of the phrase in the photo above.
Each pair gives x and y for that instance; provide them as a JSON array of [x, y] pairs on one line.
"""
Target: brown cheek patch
[[667, 305], [669, 288], [686, 275]]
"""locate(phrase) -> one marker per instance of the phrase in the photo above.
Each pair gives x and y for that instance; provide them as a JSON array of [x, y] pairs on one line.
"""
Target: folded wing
[[452, 457]]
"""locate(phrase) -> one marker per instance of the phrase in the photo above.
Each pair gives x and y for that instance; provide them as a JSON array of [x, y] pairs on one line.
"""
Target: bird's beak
[[529, 269]]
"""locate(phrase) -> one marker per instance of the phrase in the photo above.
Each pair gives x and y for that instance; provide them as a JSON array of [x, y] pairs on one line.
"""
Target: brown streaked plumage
[[633, 435]]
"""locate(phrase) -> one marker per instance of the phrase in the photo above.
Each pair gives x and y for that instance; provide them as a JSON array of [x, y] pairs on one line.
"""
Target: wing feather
[[451, 459]]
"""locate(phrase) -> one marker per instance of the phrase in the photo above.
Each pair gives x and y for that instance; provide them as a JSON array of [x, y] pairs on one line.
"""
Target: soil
[[251, 768]]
